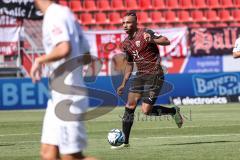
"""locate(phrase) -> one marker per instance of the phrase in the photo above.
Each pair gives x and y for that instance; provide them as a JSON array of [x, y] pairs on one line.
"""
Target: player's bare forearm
[[236, 54], [163, 41], [127, 72], [62, 50]]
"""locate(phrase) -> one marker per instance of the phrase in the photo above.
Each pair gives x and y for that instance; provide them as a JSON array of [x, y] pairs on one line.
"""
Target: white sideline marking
[[174, 127], [20, 134], [183, 136], [191, 136], [27, 134], [164, 137], [19, 142]]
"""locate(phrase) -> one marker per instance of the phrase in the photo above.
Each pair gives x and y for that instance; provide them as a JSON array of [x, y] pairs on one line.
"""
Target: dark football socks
[[158, 110], [127, 122]]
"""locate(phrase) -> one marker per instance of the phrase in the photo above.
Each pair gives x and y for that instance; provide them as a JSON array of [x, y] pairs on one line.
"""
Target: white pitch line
[[190, 127], [191, 136], [20, 142], [27, 134], [164, 137], [19, 134]]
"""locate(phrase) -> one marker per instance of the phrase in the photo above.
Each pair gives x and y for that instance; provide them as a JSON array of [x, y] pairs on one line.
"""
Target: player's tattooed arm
[[236, 54], [153, 37], [162, 41]]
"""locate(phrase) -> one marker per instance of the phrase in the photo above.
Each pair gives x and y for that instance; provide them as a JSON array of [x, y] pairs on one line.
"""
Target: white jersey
[[70, 136], [56, 30], [237, 46]]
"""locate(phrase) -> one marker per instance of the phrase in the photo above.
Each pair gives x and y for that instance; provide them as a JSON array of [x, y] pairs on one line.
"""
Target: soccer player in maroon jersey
[[141, 48]]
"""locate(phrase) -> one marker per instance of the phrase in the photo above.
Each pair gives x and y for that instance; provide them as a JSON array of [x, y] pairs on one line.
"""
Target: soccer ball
[[116, 137]]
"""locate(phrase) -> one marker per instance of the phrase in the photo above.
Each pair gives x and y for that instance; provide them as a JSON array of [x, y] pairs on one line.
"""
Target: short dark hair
[[131, 13]]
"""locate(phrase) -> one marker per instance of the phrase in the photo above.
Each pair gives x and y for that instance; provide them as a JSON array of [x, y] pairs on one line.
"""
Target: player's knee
[[90, 158], [146, 108], [131, 104], [145, 111], [47, 156], [78, 156]]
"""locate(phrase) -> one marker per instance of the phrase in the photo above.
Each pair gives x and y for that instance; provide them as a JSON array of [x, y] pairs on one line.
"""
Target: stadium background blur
[[201, 69]]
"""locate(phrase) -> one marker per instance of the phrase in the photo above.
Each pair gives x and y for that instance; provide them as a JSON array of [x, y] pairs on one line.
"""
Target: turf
[[210, 132]]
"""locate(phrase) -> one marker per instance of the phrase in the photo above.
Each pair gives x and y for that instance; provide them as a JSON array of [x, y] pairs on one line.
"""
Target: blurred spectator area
[[107, 14]]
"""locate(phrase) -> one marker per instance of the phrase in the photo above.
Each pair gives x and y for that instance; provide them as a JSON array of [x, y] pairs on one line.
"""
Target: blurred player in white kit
[[236, 49], [62, 40]]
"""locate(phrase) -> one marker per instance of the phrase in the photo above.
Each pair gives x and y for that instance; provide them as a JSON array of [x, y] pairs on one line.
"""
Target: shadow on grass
[[5, 145], [191, 143]]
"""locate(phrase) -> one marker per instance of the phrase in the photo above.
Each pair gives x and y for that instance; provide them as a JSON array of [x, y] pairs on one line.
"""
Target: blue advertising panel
[[23, 94], [204, 64], [217, 84]]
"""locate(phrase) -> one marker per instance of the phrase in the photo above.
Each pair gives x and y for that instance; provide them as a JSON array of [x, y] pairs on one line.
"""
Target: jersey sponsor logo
[[136, 56], [56, 31], [138, 43]]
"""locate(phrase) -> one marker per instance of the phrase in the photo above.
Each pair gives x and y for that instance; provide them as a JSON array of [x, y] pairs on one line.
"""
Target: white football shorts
[[69, 136]]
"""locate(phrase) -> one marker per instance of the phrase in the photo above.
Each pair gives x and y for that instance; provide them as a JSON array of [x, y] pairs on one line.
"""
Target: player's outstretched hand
[[35, 72], [120, 89]]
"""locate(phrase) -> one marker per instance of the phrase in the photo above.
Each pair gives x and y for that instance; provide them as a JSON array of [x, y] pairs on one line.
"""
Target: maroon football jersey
[[143, 53]]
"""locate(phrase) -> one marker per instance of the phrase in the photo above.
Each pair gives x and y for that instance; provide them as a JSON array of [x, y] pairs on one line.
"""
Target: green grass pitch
[[210, 132]]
